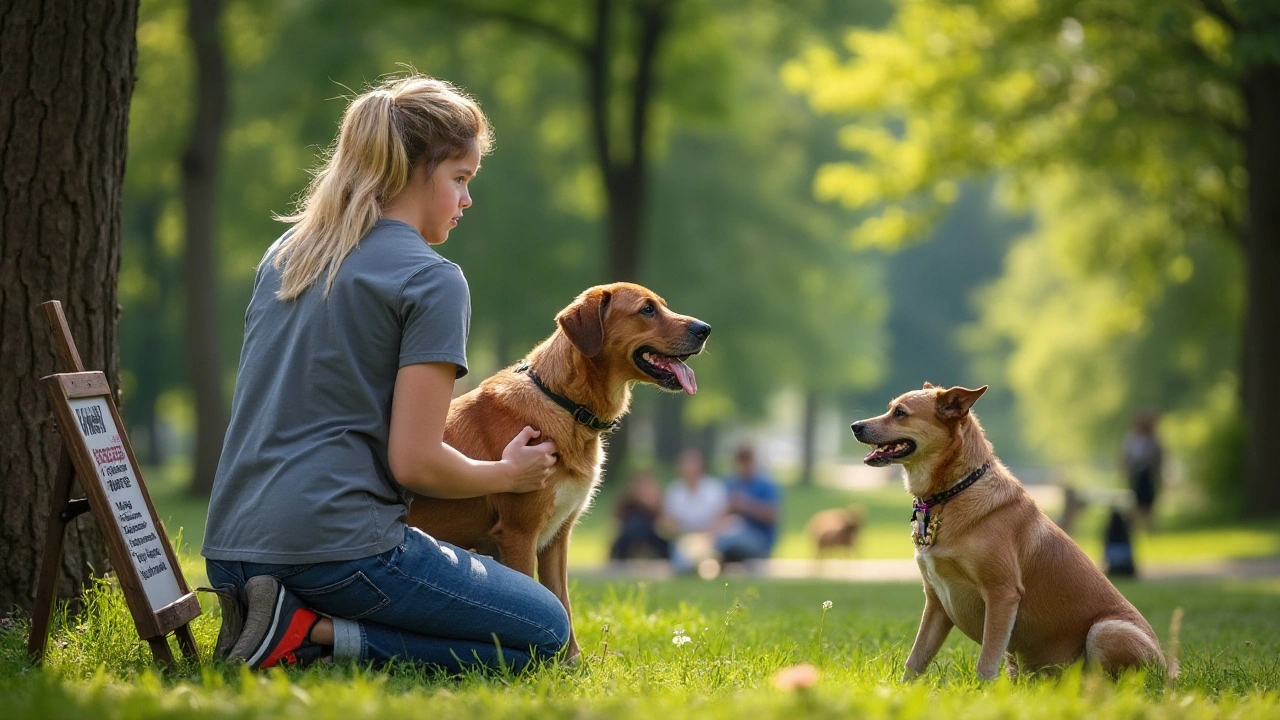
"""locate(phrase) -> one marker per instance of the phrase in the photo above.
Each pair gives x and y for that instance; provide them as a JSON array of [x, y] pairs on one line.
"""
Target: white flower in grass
[[826, 605], [680, 638]]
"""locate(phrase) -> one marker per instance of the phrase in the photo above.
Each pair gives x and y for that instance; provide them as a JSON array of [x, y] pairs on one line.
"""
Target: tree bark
[[66, 78], [1261, 382], [200, 165]]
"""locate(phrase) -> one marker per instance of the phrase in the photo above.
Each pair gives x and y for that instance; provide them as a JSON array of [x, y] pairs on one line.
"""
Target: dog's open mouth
[[668, 371], [888, 452]]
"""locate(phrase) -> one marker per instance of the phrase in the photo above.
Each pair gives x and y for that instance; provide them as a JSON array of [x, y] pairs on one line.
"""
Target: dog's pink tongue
[[684, 374]]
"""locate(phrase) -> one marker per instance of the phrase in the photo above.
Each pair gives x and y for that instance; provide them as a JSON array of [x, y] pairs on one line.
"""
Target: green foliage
[[739, 635], [734, 236], [1117, 128]]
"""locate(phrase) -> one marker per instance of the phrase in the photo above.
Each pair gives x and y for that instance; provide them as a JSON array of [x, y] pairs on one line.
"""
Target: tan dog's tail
[[1116, 645]]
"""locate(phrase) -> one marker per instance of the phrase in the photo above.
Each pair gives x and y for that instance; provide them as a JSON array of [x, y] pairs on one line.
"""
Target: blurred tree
[[151, 241], [200, 170], [730, 155], [793, 306], [620, 50], [931, 306], [1138, 133], [67, 76], [620, 69]]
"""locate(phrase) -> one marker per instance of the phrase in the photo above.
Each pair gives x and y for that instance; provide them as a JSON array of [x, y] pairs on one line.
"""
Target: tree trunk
[[709, 443], [808, 439], [1261, 382], [625, 192], [625, 180], [66, 77], [140, 409], [668, 432], [623, 166], [199, 198]]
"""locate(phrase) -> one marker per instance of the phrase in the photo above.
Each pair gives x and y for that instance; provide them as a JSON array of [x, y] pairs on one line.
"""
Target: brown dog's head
[[919, 425], [630, 329]]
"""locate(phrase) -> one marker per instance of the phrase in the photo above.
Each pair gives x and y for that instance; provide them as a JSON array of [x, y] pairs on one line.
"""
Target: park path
[[905, 570]]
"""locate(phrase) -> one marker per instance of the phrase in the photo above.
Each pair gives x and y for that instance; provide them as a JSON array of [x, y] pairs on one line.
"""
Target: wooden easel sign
[[99, 453]]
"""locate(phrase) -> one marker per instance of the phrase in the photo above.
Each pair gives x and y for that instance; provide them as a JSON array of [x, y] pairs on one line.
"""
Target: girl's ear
[[583, 321]]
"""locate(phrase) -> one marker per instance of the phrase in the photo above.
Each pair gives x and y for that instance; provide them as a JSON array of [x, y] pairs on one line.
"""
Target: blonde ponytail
[[386, 133]]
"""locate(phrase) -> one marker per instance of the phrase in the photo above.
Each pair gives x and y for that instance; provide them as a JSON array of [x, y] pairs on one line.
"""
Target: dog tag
[[924, 526]]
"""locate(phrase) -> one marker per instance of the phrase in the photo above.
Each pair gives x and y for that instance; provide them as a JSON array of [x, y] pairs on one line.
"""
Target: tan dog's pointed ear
[[583, 322], [955, 402], [927, 385]]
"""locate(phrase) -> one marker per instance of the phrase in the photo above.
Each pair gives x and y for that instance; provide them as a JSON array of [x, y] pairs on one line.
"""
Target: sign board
[[96, 426], [96, 449]]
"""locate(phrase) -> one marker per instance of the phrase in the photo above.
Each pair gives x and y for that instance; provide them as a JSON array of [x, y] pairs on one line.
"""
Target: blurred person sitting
[[749, 529], [637, 512], [693, 504], [1142, 458], [1117, 547]]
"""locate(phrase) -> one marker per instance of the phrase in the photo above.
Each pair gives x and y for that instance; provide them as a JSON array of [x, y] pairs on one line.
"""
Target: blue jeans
[[424, 601], [742, 541]]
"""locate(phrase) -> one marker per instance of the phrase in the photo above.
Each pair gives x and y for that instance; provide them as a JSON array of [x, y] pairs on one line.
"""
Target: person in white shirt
[[692, 505]]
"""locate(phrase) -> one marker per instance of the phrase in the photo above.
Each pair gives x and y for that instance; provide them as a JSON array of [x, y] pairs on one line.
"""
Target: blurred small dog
[[835, 529], [993, 564]]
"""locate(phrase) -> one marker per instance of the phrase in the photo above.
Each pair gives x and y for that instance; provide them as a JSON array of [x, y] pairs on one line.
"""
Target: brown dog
[[609, 338], [993, 564]]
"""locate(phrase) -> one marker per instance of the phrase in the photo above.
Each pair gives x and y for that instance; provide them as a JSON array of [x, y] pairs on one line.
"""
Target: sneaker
[[276, 627], [231, 600]]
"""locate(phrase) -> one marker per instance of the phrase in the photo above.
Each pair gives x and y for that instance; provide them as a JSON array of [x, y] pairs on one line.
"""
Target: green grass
[[742, 633]]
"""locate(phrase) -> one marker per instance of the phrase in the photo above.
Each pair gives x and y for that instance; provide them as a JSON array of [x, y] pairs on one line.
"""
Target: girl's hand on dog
[[530, 465]]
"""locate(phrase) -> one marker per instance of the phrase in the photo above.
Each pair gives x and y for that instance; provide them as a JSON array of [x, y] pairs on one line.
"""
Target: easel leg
[[187, 642], [51, 560], [161, 651]]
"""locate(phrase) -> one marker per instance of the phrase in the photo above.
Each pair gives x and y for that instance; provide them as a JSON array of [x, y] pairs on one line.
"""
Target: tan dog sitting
[[574, 386], [993, 564]]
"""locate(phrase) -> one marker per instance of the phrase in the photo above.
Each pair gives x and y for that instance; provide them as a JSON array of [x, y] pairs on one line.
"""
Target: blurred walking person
[[1142, 457]]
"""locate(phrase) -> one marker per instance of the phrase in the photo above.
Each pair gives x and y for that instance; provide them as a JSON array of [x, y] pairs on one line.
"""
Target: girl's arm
[[422, 461]]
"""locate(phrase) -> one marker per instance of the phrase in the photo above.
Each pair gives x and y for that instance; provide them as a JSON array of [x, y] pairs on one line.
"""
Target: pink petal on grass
[[796, 677]]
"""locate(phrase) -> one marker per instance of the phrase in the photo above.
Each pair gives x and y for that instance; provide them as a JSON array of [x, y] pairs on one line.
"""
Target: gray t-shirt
[[304, 475]]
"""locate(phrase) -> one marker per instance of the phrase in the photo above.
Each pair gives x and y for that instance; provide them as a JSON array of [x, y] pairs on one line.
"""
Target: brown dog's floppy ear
[[955, 402], [583, 322], [927, 385]]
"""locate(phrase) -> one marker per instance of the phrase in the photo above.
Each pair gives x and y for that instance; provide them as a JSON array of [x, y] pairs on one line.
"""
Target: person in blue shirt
[[750, 527]]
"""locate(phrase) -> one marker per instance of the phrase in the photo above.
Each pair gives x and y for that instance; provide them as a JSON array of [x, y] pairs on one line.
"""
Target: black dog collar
[[924, 531], [580, 413]]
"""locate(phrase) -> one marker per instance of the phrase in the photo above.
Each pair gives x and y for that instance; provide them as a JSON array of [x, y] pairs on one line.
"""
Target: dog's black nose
[[857, 429], [700, 330]]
